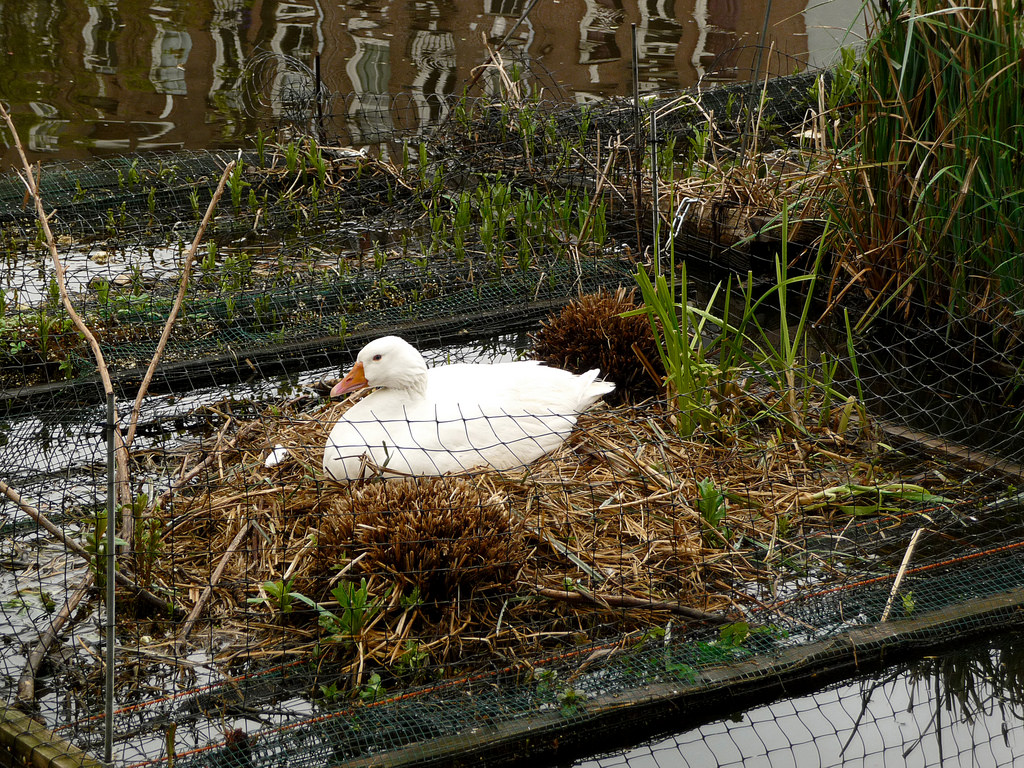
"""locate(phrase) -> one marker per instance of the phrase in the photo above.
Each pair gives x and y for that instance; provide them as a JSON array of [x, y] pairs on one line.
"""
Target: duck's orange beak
[[355, 379]]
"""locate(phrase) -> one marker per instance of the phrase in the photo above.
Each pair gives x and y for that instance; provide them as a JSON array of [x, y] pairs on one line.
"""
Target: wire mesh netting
[[795, 472]]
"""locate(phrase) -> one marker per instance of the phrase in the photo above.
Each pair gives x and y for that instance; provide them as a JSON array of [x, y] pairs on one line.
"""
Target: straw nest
[[603, 538]]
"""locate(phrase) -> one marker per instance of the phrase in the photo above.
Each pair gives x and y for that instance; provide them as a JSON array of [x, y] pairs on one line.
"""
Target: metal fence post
[[108, 693]]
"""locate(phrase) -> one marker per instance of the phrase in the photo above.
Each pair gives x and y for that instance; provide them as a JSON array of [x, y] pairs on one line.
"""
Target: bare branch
[[32, 186]]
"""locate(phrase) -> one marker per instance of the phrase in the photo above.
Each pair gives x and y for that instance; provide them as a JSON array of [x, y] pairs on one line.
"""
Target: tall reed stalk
[[935, 206]]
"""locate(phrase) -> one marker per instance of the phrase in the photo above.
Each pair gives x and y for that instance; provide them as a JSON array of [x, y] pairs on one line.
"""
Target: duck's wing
[[521, 387], [403, 439], [509, 414]]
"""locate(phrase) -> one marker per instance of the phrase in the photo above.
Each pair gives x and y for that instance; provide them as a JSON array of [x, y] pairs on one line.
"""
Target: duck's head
[[390, 363]]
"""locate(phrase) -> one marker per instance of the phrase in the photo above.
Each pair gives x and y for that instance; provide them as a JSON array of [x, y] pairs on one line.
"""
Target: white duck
[[451, 418]]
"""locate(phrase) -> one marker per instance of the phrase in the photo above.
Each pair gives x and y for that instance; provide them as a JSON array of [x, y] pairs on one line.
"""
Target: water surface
[[92, 77]]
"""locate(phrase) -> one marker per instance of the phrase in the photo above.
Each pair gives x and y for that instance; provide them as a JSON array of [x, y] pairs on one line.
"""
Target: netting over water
[[812, 501]]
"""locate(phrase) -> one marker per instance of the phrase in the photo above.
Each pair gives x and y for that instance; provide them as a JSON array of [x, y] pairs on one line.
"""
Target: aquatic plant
[[712, 506], [704, 366], [678, 329], [280, 596], [237, 185], [95, 545], [934, 208], [356, 608]]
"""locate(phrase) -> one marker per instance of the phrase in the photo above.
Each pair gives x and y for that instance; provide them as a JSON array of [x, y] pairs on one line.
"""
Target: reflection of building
[[432, 56], [284, 84], [128, 75], [120, 78], [369, 110], [44, 136], [598, 27], [170, 51], [729, 33], [100, 34], [658, 36], [226, 25]]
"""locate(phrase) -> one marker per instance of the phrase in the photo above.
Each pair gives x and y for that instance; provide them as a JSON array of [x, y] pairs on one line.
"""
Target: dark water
[[89, 77]]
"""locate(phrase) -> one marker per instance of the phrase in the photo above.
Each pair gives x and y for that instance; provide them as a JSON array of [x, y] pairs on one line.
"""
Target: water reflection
[[86, 77], [964, 706]]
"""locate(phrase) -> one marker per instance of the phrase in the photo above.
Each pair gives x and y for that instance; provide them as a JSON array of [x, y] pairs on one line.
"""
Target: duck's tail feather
[[593, 389]]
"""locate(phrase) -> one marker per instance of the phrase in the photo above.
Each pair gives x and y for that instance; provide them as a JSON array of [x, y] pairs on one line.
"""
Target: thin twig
[[186, 271], [628, 601], [43, 522], [128, 510], [901, 573]]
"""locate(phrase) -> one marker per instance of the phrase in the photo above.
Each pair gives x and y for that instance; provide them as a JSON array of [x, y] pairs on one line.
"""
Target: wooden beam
[[958, 453], [25, 743]]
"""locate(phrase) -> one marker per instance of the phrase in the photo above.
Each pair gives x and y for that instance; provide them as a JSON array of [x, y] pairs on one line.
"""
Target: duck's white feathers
[[455, 418]]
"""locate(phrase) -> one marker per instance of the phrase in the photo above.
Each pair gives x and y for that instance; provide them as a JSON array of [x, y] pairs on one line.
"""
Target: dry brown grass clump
[[440, 535], [590, 332]]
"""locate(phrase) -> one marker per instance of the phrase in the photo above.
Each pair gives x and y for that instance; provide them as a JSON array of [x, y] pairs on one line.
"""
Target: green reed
[[936, 202]]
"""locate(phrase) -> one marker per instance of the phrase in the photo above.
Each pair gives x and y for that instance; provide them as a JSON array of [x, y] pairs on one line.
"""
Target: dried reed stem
[[214, 580], [901, 573]]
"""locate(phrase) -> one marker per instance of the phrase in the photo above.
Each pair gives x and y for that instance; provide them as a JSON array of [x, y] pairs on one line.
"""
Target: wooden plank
[[25, 743], [958, 453]]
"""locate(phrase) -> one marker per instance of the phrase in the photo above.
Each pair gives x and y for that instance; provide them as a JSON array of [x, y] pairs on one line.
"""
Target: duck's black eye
[[376, 357]]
